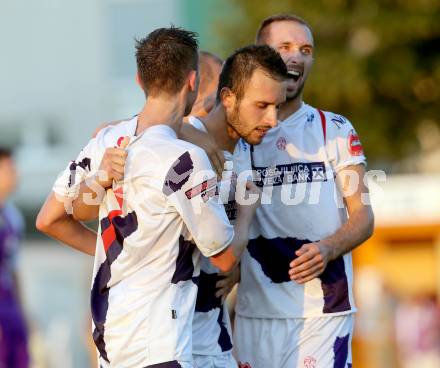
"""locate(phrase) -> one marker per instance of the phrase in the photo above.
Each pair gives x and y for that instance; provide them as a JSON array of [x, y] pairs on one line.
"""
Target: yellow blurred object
[[406, 260]]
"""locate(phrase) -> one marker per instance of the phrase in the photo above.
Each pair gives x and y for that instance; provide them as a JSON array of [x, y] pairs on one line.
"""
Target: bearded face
[[251, 116]]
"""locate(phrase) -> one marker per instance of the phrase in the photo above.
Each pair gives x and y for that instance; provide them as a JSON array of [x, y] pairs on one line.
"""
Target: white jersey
[[211, 326], [146, 263], [89, 159], [300, 204]]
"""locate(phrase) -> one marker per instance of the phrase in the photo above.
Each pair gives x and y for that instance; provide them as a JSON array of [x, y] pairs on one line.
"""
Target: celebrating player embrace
[[169, 231], [154, 223]]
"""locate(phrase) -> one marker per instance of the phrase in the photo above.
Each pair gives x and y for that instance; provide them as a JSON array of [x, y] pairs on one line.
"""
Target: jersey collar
[[297, 114], [157, 130]]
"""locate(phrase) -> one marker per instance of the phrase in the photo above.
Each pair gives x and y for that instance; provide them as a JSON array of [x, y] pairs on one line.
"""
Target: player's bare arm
[[314, 257], [56, 223], [203, 140], [229, 257], [86, 205]]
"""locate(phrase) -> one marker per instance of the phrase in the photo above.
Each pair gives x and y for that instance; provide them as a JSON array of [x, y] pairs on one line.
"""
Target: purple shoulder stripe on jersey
[[84, 163], [274, 255], [224, 340], [335, 287], [184, 263], [172, 364], [123, 226], [179, 174], [206, 299], [340, 349]]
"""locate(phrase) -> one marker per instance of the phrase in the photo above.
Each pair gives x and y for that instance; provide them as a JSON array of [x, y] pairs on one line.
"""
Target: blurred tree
[[376, 62]]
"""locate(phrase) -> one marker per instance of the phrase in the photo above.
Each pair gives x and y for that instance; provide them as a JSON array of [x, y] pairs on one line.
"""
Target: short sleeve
[[191, 187], [343, 144], [67, 183]]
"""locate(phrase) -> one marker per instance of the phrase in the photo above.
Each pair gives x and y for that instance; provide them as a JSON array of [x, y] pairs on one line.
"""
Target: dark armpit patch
[[206, 299], [184, 263]]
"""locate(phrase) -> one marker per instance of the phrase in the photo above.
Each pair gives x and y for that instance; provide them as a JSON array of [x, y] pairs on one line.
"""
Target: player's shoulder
[[194, 150], [109, 135], [334, 120], [341, 132], [187, 157], [159, 154]]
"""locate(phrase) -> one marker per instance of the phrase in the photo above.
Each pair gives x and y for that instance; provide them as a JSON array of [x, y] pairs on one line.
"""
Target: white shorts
[[323, 342], [215, 361]]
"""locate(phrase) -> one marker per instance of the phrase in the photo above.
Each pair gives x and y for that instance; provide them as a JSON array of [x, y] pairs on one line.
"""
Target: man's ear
[[227, 97], [193, 80], [139, 81]]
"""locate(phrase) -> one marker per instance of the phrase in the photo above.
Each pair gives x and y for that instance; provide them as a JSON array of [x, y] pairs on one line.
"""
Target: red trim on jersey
[[119, 141], [109, 235], [324, 124], [119, 194]]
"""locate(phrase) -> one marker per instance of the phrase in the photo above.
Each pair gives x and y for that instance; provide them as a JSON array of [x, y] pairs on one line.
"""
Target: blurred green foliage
[[376, 62]]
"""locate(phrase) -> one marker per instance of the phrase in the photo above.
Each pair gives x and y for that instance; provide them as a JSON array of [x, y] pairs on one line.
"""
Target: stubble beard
[[297, 93]]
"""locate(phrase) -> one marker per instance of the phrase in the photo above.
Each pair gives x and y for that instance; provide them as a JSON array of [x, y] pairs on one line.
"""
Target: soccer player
[[54, 218], [255, 76], [13, 331], [295, 303], [250, 91], [144, 289]]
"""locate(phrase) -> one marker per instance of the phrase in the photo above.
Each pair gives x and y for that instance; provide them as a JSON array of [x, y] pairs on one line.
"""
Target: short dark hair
[[5, 153], [259, 38], [164, 58], [240, 66], [206, 71]]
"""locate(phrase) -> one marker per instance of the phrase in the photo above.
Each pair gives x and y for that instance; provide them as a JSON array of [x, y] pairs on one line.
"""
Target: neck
[[218, 128], [161, 110], [290, 107]]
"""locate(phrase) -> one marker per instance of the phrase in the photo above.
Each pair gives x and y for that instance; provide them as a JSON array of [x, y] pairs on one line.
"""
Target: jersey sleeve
[[343, 144], [191, 187], [68, 181]]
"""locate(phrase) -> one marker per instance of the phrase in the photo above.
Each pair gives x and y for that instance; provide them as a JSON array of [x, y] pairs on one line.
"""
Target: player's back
[[144, 290]]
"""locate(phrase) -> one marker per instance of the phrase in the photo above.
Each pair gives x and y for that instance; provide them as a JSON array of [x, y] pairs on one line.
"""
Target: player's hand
[[113, 164], [311, 262], [248, 208], [225, 285]]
